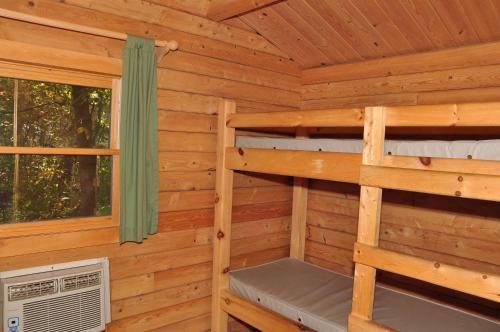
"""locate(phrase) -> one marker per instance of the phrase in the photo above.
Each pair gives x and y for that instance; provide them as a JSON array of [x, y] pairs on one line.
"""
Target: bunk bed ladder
[[460, 178]]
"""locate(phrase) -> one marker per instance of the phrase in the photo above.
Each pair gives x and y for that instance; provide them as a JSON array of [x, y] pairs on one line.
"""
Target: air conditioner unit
[[68, 297]]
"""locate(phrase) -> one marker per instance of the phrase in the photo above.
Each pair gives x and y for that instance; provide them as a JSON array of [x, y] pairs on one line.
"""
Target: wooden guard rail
[[330, 166], [448, 115]]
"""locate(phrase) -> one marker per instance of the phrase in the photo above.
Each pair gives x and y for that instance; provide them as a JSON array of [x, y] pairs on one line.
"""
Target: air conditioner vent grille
[[32, 289], [74, 312], [80, 281]]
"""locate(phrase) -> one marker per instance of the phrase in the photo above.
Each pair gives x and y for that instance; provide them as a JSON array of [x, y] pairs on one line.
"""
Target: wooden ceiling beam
[[219, 10]]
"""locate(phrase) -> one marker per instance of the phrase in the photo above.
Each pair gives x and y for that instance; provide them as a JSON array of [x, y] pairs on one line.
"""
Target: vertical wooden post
[[369, 216], [299, 211], [222, 222]]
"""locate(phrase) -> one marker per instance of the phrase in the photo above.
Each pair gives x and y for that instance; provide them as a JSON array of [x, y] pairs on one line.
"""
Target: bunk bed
[[290, 294]]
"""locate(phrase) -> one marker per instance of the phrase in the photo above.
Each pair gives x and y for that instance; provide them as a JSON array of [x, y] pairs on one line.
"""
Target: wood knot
[[458, 193], [227, 301], [437, 265], [460, 178], [426, 161], [220, 234], [217, 198], [240, 151], [226, 270], [485, 276]]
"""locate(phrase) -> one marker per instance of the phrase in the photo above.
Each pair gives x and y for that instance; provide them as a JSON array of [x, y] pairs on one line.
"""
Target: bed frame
[[373, 171]]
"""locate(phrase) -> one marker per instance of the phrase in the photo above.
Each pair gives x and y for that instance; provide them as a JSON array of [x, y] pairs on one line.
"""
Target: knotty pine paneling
[[163, 284]]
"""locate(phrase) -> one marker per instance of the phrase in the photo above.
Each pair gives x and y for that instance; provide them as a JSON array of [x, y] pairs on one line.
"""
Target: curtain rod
[[165, 46]]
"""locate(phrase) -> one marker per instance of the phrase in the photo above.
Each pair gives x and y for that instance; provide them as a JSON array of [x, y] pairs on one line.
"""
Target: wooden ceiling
[[325, 32]]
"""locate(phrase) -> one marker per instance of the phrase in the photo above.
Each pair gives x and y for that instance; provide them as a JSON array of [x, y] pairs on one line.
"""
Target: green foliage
[[51, 186]]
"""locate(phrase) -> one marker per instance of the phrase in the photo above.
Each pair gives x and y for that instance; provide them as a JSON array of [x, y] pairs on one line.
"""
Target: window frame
[[41, 68]]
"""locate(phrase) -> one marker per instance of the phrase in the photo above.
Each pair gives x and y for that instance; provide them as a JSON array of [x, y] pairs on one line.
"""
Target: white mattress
[[321, 300], [482, 150]]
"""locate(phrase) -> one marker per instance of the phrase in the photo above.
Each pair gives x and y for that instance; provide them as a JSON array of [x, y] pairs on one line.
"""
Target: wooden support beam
[[222, 223], [219, 10], [369, 214], [467, 185], [484, 285], [299, 210], [259, 317], [332, 166]]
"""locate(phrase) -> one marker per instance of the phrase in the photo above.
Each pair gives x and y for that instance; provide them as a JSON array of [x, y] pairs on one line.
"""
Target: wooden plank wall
[[461, 232], [163, 284]]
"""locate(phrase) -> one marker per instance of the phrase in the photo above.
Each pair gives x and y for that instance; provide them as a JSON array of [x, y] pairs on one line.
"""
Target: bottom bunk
[[321, 300]]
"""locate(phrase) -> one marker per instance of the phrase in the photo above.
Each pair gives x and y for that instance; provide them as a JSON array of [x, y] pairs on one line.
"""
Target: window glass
[[6, 111], [52, 115], [41, 187]]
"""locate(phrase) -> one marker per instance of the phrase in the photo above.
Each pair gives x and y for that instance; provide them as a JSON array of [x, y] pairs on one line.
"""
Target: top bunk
[[459, 168]]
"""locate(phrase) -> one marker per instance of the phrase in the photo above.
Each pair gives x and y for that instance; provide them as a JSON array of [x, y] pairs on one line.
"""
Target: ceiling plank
[[346, 52], [383, 25], [285, 36], [456, 20], [219, 10], [195, 7], [430, 23], [406, 24], [311, 34]]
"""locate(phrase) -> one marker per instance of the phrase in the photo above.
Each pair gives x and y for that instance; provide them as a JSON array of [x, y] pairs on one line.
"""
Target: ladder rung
[[468, 281], [467, 185]]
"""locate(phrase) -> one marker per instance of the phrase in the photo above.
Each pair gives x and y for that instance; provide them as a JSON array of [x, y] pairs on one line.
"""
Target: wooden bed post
[[222, 221], [369, 218], [299, 210]]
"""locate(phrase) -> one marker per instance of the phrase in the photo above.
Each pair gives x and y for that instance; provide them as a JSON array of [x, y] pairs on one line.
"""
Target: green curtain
[[138, 141]]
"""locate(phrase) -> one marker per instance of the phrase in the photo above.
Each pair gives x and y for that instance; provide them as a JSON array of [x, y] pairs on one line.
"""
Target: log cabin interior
[[250, 165]]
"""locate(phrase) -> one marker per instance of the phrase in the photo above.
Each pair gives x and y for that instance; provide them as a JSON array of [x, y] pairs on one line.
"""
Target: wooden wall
[[461, 232], [163, 284]]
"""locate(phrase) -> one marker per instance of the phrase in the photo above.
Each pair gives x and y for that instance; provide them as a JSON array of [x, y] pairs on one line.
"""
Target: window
[[58, 148]]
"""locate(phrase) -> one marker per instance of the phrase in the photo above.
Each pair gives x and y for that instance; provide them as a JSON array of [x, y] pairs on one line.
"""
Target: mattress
[[482, 150], [321, 300]]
